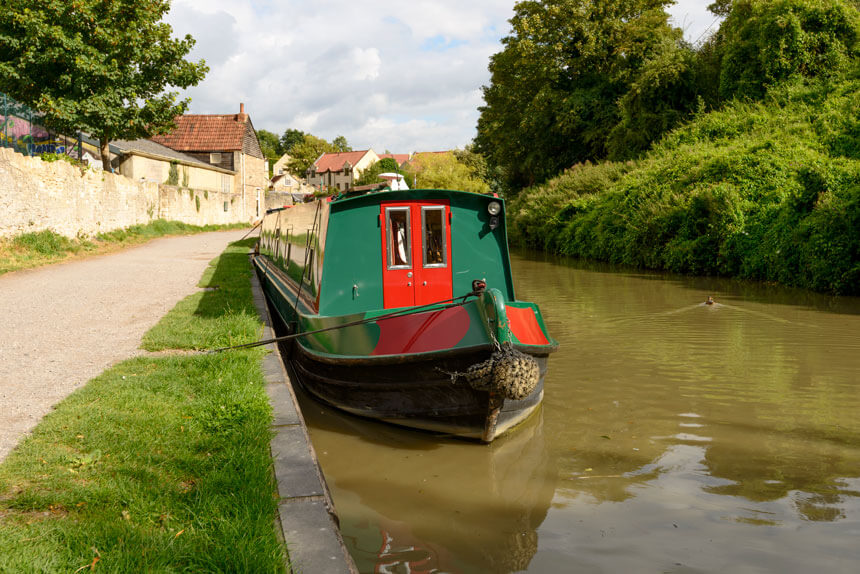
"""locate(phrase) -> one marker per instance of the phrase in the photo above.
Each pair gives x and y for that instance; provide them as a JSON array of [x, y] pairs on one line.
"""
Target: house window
[[225, 206], [225, 183], [214, 158]]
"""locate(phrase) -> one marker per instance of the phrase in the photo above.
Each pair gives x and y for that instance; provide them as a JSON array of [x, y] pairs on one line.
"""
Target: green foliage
[[173, 173], [340, 144], [767, 191], [579, 80], [371, 174], [44, 247], [443, 171], [721, 7], [290, 139], [388, 165], [270, 144], [103, 67], [305, 153], [197, 203], [221, 317], [45, 243], [769, 41]]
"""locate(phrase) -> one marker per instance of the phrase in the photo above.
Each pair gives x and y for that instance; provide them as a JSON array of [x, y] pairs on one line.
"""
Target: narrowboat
[[402, 309]]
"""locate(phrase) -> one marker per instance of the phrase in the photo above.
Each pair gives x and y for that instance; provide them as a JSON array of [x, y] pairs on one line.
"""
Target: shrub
[[767, 191], [769, 41], [173, 173]]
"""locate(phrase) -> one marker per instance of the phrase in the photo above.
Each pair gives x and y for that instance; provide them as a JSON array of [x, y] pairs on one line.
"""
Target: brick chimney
[[242, 116]]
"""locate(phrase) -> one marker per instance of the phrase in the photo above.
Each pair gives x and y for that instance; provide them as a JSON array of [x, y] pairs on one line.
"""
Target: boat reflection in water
[[433, 504]]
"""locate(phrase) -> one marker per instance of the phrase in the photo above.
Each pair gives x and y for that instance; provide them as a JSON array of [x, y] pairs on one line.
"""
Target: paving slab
[[311, 542]]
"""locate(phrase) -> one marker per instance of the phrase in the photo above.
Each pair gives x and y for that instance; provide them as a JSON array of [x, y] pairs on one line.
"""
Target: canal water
[[674, 437]]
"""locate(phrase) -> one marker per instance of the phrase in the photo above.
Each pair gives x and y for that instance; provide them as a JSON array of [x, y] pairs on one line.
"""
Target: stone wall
[[198, 207], [276, 199], [37, 195], [139, 167]]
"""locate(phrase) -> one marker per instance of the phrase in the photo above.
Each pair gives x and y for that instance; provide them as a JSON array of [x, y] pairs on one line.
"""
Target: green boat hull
[[470, 366]]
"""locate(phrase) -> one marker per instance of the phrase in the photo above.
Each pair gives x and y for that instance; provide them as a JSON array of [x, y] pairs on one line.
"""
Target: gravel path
[[62, 325]]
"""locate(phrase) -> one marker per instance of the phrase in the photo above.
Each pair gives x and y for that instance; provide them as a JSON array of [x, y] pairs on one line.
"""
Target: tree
[[304, 154], [442, 171], [721, 7], [569, 74], [103, 67], [291, 138], [340, 144], [371, 174], [270, 144], [769, 41], [388, 165]]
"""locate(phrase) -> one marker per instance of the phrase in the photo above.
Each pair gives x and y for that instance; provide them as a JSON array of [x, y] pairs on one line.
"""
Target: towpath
[[64, 324]]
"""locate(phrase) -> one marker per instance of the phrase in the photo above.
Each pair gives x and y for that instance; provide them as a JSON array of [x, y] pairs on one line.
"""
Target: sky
[[389, 75]]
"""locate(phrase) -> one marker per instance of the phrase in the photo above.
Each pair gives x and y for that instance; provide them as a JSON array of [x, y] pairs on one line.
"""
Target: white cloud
[[402, 76]]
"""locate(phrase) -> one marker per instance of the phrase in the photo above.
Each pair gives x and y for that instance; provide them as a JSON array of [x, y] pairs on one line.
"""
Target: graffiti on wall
[[28, 137]]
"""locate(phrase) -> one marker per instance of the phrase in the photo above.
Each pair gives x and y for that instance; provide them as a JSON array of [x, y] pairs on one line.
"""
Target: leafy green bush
[[173, 173], [767, 191], [45, 242], [769, 41]]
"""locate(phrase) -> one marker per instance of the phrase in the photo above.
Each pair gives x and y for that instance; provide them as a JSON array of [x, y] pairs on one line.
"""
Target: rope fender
[[509, 372]]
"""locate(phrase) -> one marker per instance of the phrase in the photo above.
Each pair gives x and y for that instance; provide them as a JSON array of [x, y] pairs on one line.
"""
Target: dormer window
[[214, 158]]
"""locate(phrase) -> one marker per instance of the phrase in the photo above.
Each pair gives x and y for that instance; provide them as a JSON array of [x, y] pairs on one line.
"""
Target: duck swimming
[[710, 300]]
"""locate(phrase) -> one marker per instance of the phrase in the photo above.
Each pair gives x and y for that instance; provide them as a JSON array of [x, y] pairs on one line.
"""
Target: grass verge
[[44, 247], [159, 464]]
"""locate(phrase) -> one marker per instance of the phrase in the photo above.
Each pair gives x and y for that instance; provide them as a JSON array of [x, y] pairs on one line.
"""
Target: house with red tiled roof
[[340, 170], [228, 141]]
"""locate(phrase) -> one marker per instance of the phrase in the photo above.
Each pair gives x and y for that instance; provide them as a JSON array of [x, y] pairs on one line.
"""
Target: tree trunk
[[104, 148]]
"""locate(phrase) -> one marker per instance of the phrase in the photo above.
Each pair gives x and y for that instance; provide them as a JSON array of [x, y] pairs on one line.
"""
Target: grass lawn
[[159, 464], [44, 247]]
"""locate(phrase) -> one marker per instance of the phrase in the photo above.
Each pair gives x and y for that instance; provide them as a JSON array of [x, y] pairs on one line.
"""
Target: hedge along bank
[[767, 191]]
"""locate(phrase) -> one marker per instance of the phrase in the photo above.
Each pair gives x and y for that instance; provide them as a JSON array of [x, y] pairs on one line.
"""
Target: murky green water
[[674, 437]]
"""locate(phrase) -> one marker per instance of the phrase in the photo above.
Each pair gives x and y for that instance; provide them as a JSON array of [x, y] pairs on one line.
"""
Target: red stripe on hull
[[422, 332], [524, 326]]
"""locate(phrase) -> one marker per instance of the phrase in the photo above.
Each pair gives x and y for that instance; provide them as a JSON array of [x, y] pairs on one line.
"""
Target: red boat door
[[416, 253]]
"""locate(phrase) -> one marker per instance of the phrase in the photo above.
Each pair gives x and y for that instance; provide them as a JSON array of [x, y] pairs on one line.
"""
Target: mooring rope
[[252, 230], [442, 305]]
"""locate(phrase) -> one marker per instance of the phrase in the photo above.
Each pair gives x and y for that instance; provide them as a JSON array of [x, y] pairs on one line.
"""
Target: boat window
[[399, 237], [433, 235]]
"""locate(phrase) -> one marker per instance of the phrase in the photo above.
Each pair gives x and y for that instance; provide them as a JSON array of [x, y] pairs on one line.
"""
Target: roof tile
[[205, 133], [400, 158], [335, 161]]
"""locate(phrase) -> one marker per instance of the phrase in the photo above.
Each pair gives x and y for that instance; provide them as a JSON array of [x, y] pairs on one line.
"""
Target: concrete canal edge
[[307, 516]]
